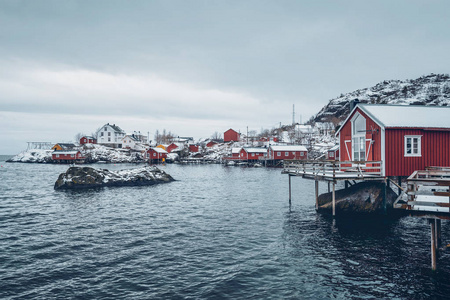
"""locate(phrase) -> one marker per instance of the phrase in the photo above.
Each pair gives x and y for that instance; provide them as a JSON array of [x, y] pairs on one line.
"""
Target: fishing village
[[393, 160]]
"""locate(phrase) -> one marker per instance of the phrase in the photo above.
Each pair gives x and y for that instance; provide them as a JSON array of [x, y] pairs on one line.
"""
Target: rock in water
[[86, 177]]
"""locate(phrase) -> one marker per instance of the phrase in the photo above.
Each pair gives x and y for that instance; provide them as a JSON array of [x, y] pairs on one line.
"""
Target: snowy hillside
[[433, 89]]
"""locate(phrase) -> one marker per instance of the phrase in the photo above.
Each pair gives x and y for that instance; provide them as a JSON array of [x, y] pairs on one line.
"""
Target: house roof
[[288, 148], [235, 150], [255, 150], [334, 148], [66, 146], [413, 116], [89, 137], [114, 127], [65, 152], [159, 150], [132, 137]]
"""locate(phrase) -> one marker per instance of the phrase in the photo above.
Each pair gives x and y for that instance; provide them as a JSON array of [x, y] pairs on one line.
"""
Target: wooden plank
[[430, 204]]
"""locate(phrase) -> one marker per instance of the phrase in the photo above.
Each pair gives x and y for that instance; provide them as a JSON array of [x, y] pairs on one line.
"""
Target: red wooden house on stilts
[[403, 138]]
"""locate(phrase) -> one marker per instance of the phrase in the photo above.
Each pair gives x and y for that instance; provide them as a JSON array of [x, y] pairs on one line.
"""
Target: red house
[[333, 153], [156, 155], [210, 144], [282, 152], [231, 136], [67, 157], [171, 147], [235, 153], [252, 153], [88, 140], [193, 148], [403, 138]]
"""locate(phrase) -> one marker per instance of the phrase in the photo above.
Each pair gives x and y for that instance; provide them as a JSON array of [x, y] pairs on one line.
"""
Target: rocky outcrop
[[86, 177], [365, 198], [433, 89]]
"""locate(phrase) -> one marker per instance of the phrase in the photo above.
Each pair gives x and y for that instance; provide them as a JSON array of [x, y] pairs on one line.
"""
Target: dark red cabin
[[231, 136], [171, 147], [88, 140], [67, 156], [282, 152], [404, 138], [156, 155], [193, 148]]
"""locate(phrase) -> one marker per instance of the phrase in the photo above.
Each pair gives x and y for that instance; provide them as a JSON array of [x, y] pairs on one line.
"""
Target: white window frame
[[286, 153], [278, 153], [331, 154], [358, 138], [419, 145]]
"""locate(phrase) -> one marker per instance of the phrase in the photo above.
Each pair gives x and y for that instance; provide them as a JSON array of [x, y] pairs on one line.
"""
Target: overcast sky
[[196, 67]]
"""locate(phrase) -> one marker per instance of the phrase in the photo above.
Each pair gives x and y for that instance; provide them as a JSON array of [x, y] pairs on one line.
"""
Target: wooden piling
[[433, 244], [329, 187], [289, 189], [334, 199], [317, 194], [438, 234], [384, 191]]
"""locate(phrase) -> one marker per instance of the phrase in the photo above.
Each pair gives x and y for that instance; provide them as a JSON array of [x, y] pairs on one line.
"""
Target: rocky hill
[[433, 89]]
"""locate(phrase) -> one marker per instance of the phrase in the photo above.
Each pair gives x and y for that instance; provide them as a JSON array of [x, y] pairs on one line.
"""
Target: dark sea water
[[216, 233]]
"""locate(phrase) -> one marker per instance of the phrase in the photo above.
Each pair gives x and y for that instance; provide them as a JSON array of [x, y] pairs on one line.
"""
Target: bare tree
[[78, 136], [216, 136]]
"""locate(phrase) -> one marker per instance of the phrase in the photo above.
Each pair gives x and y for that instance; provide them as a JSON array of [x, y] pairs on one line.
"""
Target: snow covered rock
[[33, 156], [433, 89], [86, 177]]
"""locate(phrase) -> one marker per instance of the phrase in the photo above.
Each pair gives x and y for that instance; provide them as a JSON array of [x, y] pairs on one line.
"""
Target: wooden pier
[[427, 194], [332, 172]]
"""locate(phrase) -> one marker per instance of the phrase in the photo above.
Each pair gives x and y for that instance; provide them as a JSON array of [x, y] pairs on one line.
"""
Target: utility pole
[[293, 114], [247, 135]]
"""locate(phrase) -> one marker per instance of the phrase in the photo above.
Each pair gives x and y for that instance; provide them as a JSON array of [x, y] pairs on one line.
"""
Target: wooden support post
[[317, 194], [433, 244], [346, 183], [399, 178], [289, 189], [384, 191], [329, 187], [438, 233], [334, 199]]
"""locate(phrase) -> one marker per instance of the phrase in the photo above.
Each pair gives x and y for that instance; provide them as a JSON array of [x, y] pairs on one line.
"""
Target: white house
[[110, 135]]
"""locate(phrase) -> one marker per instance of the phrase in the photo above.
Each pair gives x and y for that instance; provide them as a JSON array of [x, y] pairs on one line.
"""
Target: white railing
[[429, 190], [332, 168]]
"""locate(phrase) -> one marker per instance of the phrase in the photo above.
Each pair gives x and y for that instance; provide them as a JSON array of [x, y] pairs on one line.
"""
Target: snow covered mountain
[[433, 89]]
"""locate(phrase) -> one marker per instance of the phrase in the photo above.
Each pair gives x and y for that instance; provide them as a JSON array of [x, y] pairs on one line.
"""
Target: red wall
[[171, 147], [66, 156], [210, 144], [193, 148], [230, 135], [333, 155], [85, 140], [373, 133], [435, 150], [291, 155], [157, 156]]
